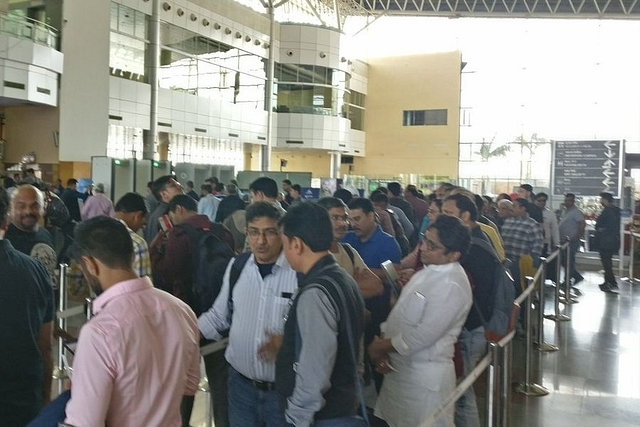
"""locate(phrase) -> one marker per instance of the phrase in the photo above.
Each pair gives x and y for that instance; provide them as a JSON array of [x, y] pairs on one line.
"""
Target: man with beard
[[139, 354]]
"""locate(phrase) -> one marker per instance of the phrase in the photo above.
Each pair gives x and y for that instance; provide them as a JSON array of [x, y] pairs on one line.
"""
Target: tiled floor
[[594, 377]]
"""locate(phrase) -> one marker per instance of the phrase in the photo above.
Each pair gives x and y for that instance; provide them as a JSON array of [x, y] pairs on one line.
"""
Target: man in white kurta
[[416, 351]]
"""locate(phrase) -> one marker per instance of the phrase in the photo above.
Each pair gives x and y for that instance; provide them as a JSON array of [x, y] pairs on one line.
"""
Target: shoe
[[614, 286], [608, 288], [576, 281]]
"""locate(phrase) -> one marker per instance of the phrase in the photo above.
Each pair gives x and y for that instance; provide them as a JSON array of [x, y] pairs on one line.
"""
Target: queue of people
[[298, 289]]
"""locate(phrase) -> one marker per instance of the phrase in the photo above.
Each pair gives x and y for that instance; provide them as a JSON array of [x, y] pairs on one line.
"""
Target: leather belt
[[260, 385]]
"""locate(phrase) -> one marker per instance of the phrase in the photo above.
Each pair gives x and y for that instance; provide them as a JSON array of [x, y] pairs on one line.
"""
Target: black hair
[[266, 186], [310, 223], [190, 184], [361, 203], [412, 189], [464, 204], [206, 188], [150, 185], [487, 199], [297, 188], [522, 202], [131, 202], [4, 205], [395, 188], [262, 210], [344, 195], [437, 201], [286, 181], [570, 196], [542, 194], [159, 185], [504, 196], [232, 189], [479, 202], [219, 187], [71, 181], [185, 201], [213, 180], [447, 186], [607, 196], [105, 239], [9, 182], [331, 203], [384, 190], [453, 235], [379, 196]]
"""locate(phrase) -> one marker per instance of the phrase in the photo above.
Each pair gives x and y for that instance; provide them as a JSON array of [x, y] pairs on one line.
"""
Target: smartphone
[[165, 223], [392, 276]]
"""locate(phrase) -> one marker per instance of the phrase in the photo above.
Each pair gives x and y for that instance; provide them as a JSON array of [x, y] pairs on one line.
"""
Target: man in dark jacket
[[229, 204], [608, 240], [316, 369]]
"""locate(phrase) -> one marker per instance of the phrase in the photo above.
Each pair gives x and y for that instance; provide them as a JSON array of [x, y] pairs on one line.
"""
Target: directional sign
[[586, 168]]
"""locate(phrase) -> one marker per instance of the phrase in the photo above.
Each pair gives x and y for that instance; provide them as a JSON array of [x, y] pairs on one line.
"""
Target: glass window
[[424, 118]]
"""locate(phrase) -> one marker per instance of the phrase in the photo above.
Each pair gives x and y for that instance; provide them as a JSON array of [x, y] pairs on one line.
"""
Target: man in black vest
[[316, 369]]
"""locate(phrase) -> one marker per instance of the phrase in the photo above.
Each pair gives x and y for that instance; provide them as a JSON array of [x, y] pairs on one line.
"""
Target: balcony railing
[[27, 28]]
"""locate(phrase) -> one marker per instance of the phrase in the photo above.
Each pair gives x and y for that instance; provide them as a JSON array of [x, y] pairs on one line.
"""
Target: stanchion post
[[527, 387], [88, 308], [505, 385], [567, 278], [491, 384], [59, 371], [542, 346], [556, 316]]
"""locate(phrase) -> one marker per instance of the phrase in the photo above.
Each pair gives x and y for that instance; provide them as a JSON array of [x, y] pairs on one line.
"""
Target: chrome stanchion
[[568, 299], [88, 308], [492, 381], [542, 346], [505, 385], [527, 387], [557, 316], [59, 371], [631, 279]]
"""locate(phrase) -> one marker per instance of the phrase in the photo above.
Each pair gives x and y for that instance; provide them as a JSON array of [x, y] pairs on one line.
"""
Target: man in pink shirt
[[97, 205], [139, 354]]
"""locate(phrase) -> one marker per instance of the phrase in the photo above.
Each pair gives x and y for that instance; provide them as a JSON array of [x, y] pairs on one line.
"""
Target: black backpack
[[210, 258]]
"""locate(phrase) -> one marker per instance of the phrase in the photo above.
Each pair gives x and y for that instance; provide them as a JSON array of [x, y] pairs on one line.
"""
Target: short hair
[[504, 196], [131, 202], [190, 184], [310, 223], [150, 185], [522, 202], [385, 190], [213, 179], [71, 181], [361, 203], [30, 170], [266, 186], [262, 210], [412, 189], [487, 199], [160, 184], [219, 187], [206, 188], [9, 182], [570, 195], [286, 181], [479, 202], [607, 196], [379, 197], [446, 186], [453, 235], [395, 188], [297, 188], [343, 194], [464, 204], [542, 194], [232, 189], [105, 239], [331, 203], [4, 206], [185, 201]]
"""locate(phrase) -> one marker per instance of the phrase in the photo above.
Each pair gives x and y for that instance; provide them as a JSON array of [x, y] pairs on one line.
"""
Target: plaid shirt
[[522, 236], [141, 257]]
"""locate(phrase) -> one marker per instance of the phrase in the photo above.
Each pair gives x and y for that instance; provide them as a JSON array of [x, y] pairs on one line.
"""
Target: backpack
[[504, 307], [56, 212], [210, 258]]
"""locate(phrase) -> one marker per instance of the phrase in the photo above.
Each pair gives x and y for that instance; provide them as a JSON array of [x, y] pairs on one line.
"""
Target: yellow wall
[[418, 82], [77, 170], [317, 162], [31, 128]]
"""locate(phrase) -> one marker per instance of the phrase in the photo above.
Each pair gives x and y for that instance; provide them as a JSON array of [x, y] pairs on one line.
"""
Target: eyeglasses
[[269, 233], [430, 244], [336, 218]]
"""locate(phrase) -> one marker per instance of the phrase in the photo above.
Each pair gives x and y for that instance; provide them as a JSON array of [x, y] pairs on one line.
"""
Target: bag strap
[[352, 351], [236, 270], [349, 251]]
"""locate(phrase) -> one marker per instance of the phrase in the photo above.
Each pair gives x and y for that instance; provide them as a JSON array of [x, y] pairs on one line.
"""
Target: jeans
[[574, 274], [607, 264], [53, 413], [473, 346], [217, 369], [251, 407], [354, 421]]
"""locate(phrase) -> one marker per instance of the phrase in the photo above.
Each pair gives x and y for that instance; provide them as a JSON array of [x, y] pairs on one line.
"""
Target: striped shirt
[[522, 236], [259, 306], [141, 257]]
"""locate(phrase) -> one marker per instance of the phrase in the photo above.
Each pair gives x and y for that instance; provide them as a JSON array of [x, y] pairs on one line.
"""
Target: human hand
[[405, 275], [269, 350]]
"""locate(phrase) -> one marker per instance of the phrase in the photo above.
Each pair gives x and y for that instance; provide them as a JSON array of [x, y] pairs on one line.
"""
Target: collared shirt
[[97, 205], [259, 306], [379, 248], [570, 223], [141, 257], [522, 236], [135, 359], [550, 227], [208, 205]]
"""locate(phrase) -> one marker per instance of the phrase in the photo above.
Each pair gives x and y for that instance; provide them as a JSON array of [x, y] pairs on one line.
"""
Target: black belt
[[260, 385]]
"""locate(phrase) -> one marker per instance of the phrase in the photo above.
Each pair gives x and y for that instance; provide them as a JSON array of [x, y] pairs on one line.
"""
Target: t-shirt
[[24, 241], [26, 304], [570, 223], [344, 260]]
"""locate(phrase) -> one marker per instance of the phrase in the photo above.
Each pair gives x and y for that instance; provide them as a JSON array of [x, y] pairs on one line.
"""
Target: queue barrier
[[497, 361]]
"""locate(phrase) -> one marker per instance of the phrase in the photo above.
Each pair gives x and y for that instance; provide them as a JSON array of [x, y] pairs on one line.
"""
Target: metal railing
[[498, 358], [630, 278], [27, 28]]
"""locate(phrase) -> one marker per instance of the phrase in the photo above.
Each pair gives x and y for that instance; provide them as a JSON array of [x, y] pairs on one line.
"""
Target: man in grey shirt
[[572, 225], [316, 369]]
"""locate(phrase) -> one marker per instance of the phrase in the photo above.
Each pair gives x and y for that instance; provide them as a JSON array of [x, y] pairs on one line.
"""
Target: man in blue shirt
[[374, 246]]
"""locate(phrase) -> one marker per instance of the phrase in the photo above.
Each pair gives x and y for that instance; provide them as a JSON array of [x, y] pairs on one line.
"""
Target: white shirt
[[423, 327], [208, 205], [259, 306], [550, 228]]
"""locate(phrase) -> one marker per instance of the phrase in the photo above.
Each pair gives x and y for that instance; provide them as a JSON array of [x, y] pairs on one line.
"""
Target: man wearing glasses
[[254, 317]]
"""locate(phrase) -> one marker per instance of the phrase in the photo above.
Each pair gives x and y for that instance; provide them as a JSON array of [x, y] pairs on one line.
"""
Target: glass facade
[[311, 89], [205, 150], [129, 43], [200, 66], [354, 102], [124, 142]]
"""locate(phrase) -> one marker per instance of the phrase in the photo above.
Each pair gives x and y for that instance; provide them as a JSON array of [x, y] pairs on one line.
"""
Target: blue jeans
[[251, 407], [473, 346], [354, 421], [53, 413], [574, 247]]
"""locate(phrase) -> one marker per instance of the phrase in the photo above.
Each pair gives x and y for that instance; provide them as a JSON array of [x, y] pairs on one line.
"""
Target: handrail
[[28, 28]]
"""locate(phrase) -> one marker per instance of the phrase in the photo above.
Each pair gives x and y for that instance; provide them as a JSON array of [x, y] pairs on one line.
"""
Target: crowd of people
[[297, 288]]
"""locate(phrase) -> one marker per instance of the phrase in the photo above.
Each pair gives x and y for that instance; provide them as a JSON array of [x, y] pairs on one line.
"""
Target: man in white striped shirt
[[255, 320]]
